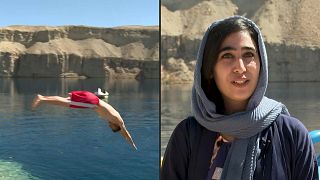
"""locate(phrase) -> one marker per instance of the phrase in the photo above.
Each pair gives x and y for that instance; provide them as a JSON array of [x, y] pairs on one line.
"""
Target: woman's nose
[[239, 66]]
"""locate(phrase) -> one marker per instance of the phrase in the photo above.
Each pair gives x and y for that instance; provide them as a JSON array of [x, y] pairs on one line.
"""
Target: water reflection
[[76, 143], [61, 87]]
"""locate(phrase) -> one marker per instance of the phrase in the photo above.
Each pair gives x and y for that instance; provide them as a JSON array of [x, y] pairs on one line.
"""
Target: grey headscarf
[[244, 126]]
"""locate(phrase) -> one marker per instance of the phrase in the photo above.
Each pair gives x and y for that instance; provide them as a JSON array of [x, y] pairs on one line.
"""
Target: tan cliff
[[79, 51], [291, 29]]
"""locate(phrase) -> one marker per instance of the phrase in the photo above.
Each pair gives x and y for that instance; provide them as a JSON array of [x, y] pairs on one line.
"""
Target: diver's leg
[[52, 100]]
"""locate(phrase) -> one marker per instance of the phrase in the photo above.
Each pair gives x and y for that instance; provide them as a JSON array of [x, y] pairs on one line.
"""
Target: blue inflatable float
[[315, 136]]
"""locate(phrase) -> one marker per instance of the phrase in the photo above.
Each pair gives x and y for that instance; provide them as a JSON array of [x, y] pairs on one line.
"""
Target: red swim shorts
[[83, 99]]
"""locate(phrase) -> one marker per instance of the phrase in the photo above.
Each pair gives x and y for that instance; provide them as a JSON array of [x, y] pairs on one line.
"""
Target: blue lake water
[[302, 99], [61, 143]]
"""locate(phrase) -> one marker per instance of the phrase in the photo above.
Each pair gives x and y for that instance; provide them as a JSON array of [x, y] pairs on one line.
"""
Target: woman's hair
[[215, 38]]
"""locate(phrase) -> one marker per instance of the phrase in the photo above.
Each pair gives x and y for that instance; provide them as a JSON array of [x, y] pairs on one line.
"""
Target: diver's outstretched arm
[[107, 112]]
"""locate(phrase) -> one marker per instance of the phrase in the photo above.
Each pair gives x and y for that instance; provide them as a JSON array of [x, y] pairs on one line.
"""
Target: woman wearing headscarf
[[235, 131]]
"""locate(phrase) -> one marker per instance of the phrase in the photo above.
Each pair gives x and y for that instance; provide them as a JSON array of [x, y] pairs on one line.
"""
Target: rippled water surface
[[61, 143]]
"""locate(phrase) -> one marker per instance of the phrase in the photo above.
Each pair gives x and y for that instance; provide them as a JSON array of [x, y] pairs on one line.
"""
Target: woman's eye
[[248, 55], [227, 56]]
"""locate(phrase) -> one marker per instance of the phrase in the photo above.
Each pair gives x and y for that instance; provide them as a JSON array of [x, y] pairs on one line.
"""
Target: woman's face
[[237, 68]]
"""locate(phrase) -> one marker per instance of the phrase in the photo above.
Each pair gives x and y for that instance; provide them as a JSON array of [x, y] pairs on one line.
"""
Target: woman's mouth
[[240, 83]]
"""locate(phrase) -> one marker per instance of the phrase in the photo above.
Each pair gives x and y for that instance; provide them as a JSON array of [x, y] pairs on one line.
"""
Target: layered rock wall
[[79, 51], [293, 63]]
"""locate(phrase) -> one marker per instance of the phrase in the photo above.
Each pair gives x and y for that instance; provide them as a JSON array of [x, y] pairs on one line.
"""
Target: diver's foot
[[36, 101]]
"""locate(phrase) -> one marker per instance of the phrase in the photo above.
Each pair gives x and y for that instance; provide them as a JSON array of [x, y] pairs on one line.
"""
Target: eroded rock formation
[[79, 51]]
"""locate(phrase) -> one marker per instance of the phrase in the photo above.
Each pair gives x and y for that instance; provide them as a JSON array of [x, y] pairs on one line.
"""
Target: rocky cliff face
[[291, 29], [79, 51]]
